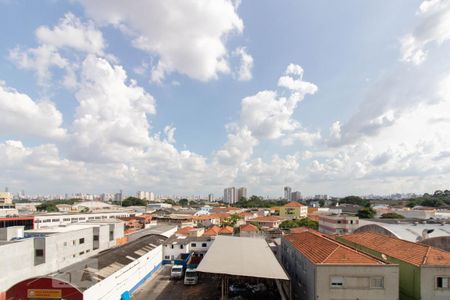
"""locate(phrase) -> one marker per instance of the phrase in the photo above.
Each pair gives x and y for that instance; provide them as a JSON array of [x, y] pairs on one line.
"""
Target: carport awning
[[241, 256]]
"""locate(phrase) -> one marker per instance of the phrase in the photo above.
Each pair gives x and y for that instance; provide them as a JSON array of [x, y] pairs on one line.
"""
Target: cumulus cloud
[[69, 33], [22, 116], [246, 64], [39, 59], [434, 27], [187, 36], [269, 116], [111, 119], [72, 33]]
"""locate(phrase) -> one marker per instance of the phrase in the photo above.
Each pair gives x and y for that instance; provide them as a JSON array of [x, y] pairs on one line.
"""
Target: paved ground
[[161, 287]]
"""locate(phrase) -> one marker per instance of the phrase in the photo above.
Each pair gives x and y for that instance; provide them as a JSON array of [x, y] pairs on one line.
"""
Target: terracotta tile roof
[[293, 204], [319, 249], [185, 230], [245, 213], [248, 228], [213, 230], [226, 230], [206, 217], [268, 219], [413, 253]]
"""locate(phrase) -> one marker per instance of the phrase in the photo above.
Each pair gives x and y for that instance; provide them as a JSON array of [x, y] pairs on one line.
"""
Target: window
[[81, 241], [376, 282], [39, 252], [55, 220], [336, 281], [204, 245], [65, 244], [166, 257], [171, 246], [82, 252], [181, 247], [442, 282], [95, 237], [73, 243], [193, 245]]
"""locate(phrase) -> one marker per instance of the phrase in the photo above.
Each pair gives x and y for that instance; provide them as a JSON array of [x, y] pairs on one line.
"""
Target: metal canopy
[[241, 256]]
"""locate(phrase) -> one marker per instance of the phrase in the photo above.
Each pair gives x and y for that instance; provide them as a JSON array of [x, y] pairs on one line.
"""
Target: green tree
[[170, 201], [133, 201], [354, 200], [304, 222], [183, 202], [392, 216], [366, 213], [231, 220], [47, 206]]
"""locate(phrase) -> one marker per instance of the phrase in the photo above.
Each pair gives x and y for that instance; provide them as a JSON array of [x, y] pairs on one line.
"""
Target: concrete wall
[[428, 289], [126, 279], [409, 281], [301, 272], [16, 262], [176, 251], [356, 282]]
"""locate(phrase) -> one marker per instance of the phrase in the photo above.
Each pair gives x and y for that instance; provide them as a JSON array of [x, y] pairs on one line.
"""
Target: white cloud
[[22, 116], [188, 36], [268, 115], [238, 148], [39, 59], [169, 132], [434, 27], [246, 64], [69, 33], [111, 120], [72, 33]]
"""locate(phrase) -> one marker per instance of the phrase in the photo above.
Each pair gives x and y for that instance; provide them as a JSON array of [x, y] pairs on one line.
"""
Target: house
[[293, 210], [226, 230], [190, 231], [177, 249], [338, 224], [212, 231], [131, 224], [249, 230], [424, 270], [322, 268], [269, 221], [207, 220], [247, 215]]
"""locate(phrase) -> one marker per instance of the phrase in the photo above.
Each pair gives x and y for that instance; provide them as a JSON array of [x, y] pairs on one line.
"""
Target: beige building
[[338, 224], [322, 268], [5, 198]]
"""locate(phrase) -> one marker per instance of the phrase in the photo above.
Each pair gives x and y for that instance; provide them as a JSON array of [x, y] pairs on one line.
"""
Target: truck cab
[[176, 272], [191, 277]]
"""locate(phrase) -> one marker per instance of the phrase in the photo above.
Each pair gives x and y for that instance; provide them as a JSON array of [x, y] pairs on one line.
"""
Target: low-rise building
[[249, 230], [322, 268], [41, 251], [424, 270], [268, 221], [176, 249], [338, 224], [5, 198], [293, 210], [212, 231]]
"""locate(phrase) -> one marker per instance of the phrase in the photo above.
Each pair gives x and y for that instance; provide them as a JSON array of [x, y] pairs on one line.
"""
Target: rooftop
[[413, 253], [226, 230], [240, 256], [213, 230], [248, 228], [293, 204], [320, 249], [88, 272], [409, 231], [268, 219]]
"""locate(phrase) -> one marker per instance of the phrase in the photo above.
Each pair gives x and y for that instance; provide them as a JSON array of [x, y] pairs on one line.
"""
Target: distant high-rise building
[[118, 196], [296, 196], [211, 197], [287, 193], [241, 192], [229, 195], [149, 196]]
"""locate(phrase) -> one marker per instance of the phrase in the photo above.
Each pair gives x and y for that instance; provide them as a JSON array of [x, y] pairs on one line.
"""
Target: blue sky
[[189, 97]]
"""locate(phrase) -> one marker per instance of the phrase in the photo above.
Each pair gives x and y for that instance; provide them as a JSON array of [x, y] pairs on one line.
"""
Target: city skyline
[[98, 97]]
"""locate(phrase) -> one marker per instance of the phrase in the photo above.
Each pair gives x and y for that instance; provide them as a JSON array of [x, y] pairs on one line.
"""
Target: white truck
[[191, 277], [176, 272]]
